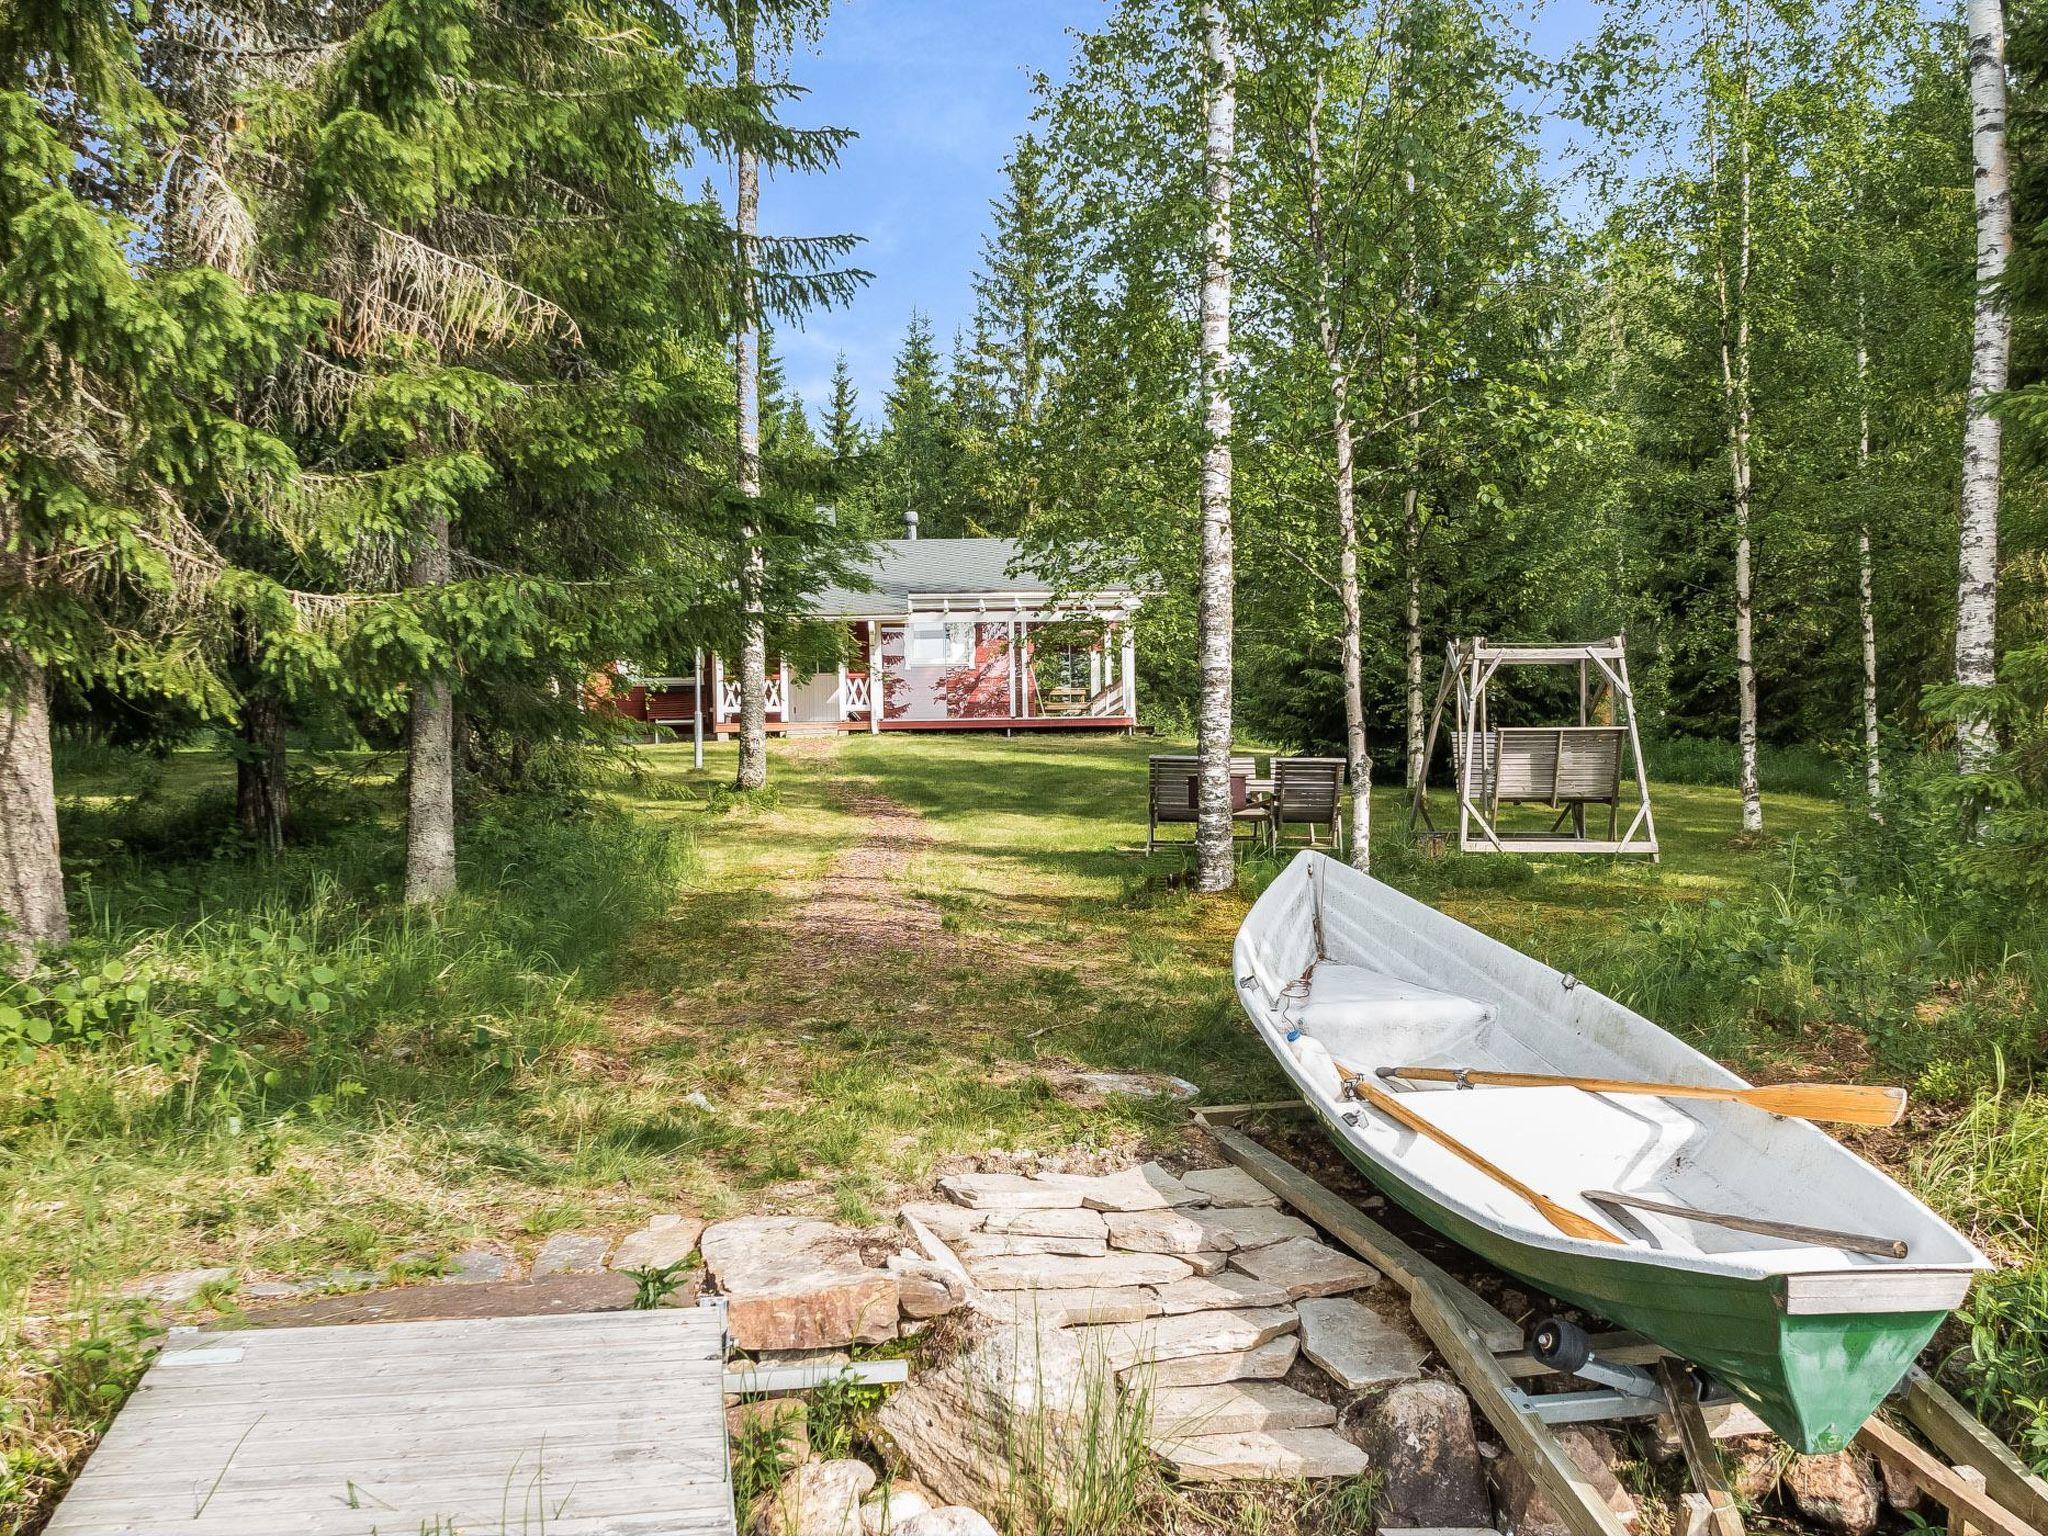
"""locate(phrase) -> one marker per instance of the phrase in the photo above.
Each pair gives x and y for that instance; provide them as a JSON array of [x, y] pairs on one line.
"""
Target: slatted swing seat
[[1564, 768]]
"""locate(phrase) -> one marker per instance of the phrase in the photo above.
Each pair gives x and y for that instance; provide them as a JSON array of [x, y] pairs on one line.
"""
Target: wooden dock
[[589, 1424]]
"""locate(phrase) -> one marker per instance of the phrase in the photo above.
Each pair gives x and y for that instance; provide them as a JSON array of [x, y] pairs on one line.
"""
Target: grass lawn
[[807, 999]]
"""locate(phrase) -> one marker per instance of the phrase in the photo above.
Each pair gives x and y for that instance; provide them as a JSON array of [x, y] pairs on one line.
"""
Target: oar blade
[[1572, 1224], [1846, 1103]]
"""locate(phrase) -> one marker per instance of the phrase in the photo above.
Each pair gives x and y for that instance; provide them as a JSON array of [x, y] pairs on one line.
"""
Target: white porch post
[[1130, 671], [841, 695], [717, 690], [782, 681], [874, 677], [697, 708], [1014, 707], [1095, 669]]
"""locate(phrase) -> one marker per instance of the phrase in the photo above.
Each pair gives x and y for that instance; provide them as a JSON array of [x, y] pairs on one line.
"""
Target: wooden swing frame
[[1479, 747]]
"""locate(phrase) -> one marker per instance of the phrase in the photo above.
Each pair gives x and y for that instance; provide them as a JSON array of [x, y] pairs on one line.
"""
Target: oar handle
[[1847, 1103]]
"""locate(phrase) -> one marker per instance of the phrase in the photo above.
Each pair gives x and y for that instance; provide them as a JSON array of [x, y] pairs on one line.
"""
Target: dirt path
[[863, 904]]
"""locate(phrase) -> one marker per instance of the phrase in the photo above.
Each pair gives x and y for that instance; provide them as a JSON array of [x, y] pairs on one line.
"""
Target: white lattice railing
[[1108, 702], [858, 699], [729, 698]]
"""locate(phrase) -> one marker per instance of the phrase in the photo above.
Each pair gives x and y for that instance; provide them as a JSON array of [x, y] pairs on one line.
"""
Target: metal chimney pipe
[[910, 523]]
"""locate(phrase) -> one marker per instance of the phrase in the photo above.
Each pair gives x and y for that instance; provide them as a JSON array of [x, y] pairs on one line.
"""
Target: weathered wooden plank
[[1359, 1232], [1702, 1458], [584, 1425], [1463, 1347], [1953, 1493], [1959, 1436]]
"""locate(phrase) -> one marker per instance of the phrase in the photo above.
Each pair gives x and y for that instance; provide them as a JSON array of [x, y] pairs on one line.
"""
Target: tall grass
[[1713, 761]]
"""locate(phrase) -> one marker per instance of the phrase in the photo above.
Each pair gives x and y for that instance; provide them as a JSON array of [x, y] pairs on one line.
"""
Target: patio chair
[[1307, 792], [1175, 794]]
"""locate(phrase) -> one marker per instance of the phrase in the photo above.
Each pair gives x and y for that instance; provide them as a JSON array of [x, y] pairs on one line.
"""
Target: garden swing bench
[[1563, 768]]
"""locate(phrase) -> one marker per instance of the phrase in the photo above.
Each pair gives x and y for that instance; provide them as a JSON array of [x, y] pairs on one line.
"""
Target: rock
[[1902, 1490], [1695, 1514], [1269, 1362], [1208, 1262], [1236, 1408], [270, 1290], [1010, 1407], [792, 1283], [1057, 1223], [1355, 1346], [1272, 1456], [1162, 1231], [889, 1506], [1063, 1309], [176, 1289], [1002, 1245], [571, 1253], [1725, 1421], [951, 1520], [1529, 1511], [925, 1289], [1754, 1464], [807, 1359], [944, 1218], [1054, 1272], [1191, 1333], [664, 1241], [1146, 1188], [1306, 1267], [478, 1266], [1135, 1085], [1014, 1192], [1228, 1187], [350, 1280], [936, 1249], [781, 1420], [1203, 1293], [1255, 1226], [1837, 1492], [820, 1498], [1418, 1435]]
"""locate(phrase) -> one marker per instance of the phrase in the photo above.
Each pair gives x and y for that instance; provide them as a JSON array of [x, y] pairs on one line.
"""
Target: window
[[936, 643]]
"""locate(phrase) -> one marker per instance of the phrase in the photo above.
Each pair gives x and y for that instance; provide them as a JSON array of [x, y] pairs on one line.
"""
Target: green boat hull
[[1812, 1379]]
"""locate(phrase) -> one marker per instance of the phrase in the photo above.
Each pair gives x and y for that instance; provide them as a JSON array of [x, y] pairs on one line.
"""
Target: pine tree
[[845, 437], [1013, 295], [915, 447]]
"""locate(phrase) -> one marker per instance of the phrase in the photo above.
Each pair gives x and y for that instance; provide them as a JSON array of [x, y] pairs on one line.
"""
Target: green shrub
[[1713, 761]]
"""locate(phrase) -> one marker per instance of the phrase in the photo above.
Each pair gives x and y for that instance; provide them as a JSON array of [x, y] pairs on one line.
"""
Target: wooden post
[[1130, 671], [1959, 1437], [1961, 1498], [697, 708], [874, 677], [1723, 1515], [841, 695]]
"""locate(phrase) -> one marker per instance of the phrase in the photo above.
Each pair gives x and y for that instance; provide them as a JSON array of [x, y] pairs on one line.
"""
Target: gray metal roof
[[918, 572]]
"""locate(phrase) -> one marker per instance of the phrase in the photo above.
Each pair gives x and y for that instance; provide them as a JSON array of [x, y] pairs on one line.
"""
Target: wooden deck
[[591, 1424]]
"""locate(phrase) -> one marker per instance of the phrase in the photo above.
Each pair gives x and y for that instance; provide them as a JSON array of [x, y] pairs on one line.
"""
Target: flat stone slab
[[1190, 1333], [1262, 1456], [1218, 1293], [1253, 1226], [1207, 1262], [1003, 1245], [665, 1240], [1269, 1362], [1355, 1346], [180, 1287], [1053, 1223], [1148, 1187], [1306, 1267], [478, 1266], [1236, 1408], [948, 1220], [1067, 1309], [1056, 1272], [792, 1283], [1015, 1192], [1228, 1187], [1181, 1231], [571, 1253]]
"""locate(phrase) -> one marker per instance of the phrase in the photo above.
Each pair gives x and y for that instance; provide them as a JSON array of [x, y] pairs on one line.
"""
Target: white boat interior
[[1343, 974]]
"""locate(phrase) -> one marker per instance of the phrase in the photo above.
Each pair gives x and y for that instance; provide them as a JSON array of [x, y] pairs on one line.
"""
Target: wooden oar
[[1567, 1221], [1850, 1103], [1791, 1231]]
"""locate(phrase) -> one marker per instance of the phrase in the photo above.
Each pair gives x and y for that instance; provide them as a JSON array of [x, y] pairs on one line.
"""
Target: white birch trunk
[[1866, 575], [31, 877], [1991, 343], [753, 766], [430, 762], [1735, 382], [1214, 854], [1411, 556]]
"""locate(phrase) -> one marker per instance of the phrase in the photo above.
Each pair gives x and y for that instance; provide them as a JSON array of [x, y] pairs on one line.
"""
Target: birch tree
[[1215, 853], [1991, 345]]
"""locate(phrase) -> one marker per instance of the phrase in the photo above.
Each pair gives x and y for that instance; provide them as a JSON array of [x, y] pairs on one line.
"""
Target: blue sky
[[937, 91]]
